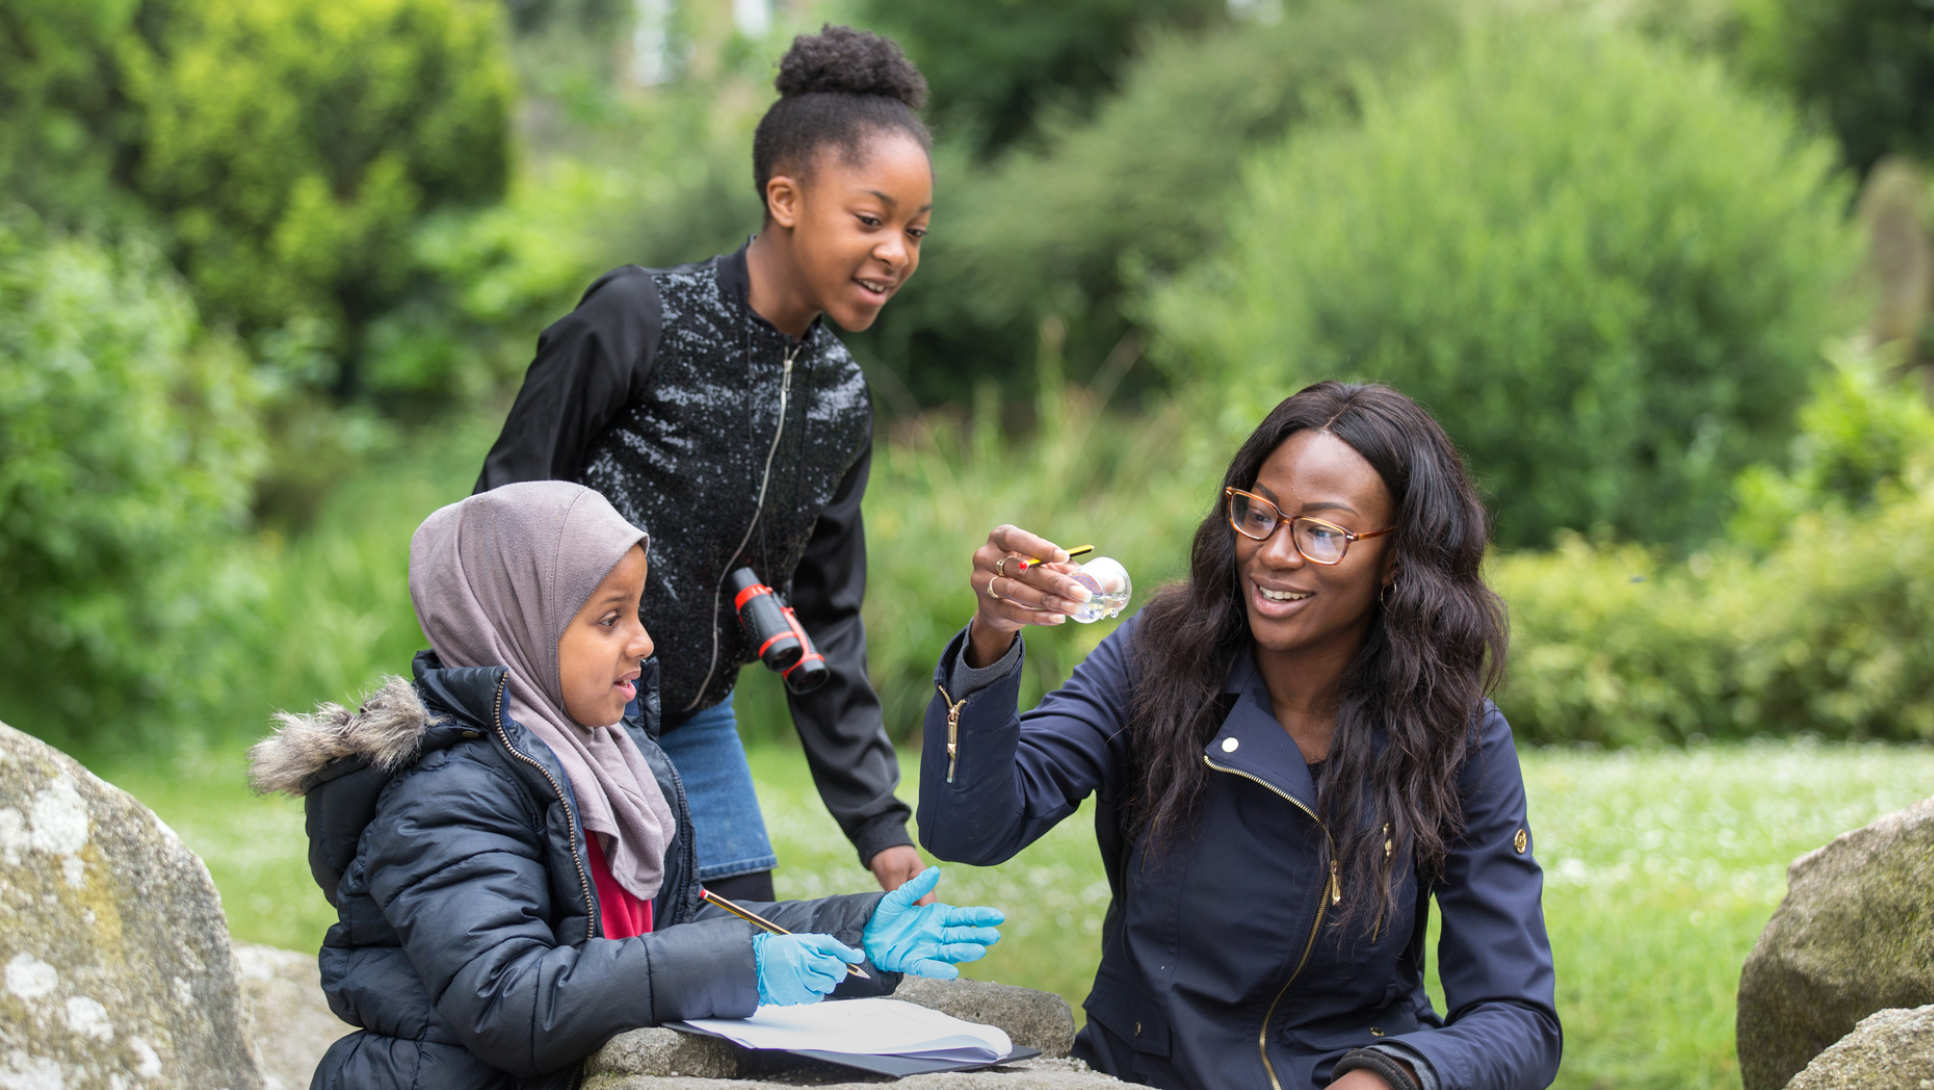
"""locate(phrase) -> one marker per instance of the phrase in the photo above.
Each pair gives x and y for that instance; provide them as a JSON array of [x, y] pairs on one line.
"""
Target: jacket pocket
[[1126, 1009], [1336, 1034]]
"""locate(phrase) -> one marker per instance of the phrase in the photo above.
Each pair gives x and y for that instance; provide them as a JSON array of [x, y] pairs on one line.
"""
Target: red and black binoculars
[[775, 630]]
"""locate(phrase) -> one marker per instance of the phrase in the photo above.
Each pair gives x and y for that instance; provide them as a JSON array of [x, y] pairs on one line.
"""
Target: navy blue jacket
[[468, 945], [1216, 967]]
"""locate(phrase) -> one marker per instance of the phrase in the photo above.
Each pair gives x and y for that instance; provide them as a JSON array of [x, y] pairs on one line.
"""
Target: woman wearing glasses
[[1292, 754]]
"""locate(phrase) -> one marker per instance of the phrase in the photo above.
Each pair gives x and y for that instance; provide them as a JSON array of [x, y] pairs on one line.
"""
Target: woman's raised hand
[[1019, 579]]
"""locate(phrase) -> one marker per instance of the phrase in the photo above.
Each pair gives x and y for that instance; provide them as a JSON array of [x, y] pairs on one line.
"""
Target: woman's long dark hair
[[1434, 650]]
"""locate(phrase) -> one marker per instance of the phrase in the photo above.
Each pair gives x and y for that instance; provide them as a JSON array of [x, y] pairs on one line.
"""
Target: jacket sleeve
[[996, 780], [1494, 959], [844, 917], [589, 364], [455, 859], [839, 724]]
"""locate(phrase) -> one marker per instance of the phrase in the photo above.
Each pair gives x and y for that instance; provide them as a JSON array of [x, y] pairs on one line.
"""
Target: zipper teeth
[[953, 728], [758, 507], [570, 817], [1323, 898]]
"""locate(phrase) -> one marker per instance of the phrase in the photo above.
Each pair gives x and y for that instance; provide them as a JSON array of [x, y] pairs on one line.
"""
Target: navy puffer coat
[[468, 941]]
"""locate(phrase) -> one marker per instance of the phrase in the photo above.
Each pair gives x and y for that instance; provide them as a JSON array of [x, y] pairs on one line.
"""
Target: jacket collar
[[735, 284], [1253, 743], [471, 692]]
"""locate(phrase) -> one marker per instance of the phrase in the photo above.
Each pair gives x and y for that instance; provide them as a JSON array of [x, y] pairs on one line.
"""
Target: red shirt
[[624, 914]]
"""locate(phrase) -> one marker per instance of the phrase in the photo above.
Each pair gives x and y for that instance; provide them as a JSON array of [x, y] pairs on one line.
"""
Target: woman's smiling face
[[1298, 609], [599, 654]]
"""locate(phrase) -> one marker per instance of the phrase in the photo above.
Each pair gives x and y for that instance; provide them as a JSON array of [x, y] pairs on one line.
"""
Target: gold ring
[[1000, 566], [991, 593]]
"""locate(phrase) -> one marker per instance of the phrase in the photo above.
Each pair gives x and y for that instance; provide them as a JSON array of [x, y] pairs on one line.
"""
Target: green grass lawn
[[1661, 868]]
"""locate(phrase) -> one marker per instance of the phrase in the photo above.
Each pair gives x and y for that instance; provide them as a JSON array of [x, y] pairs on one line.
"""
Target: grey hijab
[[496, 578]]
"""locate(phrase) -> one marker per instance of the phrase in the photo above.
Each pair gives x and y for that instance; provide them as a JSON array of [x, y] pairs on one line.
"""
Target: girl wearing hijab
[[510, 859]]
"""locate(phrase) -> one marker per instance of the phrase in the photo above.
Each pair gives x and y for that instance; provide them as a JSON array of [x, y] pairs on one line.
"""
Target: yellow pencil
[[1029, 561], [757, 920]]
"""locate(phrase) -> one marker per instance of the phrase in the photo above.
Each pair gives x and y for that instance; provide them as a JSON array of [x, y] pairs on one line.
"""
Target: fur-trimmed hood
[[385, 732]]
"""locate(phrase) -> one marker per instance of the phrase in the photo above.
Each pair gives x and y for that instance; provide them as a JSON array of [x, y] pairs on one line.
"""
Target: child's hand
[[799, 968], [928, 940]]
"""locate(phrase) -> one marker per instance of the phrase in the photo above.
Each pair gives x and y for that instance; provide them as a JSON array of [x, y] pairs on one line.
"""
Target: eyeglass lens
[[1317, 541]]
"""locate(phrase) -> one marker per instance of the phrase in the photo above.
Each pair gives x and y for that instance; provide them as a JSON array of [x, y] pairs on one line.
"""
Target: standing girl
[[713, 402]]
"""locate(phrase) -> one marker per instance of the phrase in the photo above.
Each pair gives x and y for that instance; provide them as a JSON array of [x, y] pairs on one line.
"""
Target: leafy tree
[[1053, 237], [1606, 269], [994, 66], [292, 147], [1868, 65], [128, 442], [65, 127]]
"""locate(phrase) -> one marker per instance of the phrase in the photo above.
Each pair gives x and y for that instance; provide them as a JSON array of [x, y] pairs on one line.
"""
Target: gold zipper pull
[[953, 728], [1336, 886]]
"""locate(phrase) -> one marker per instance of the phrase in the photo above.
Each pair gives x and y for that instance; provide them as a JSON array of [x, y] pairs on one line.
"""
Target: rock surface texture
[[113, 949], [1854, 935], [663, 1059], [289, 1021], [1888, 1050]]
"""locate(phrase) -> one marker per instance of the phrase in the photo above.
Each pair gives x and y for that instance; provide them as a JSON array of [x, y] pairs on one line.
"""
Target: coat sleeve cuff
[[1419, 1063], [963, 680], [706, 970], [885, 831]]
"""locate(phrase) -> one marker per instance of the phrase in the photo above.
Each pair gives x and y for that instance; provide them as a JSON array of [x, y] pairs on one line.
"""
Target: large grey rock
[[1854, 935], [289, 1022], [1888, 1050], [113, 947], [663, 1059]]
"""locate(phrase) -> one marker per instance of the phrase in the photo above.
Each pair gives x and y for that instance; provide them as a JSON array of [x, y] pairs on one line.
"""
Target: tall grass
[[1661, 867]]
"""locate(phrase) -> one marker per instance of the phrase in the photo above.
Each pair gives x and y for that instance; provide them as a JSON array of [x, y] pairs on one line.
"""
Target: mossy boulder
[[115, 954], [1854, 935], [1888, 1050]]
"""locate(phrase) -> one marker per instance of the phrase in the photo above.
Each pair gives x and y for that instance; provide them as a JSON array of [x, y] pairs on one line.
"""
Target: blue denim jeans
[[729, 830]]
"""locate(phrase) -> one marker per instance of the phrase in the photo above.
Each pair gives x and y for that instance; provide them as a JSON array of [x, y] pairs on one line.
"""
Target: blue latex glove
[[927, 940], [799, 968]]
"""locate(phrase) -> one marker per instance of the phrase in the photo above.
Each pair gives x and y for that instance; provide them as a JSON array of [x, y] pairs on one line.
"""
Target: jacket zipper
[[758, 508], [953, 728], [570, 817], [1335, 894]]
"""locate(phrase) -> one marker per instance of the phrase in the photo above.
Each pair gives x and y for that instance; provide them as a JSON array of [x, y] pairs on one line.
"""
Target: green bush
[[1824, 635], [292, 148], [494, 280], [1862, 435], [994, 68], [128, 442], [1053, 233], [1867, 65], [64, 126], [1604, 268]]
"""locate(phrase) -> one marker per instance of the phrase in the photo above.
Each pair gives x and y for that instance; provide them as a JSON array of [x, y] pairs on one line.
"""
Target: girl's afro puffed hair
[[836, 87], [842, 60]]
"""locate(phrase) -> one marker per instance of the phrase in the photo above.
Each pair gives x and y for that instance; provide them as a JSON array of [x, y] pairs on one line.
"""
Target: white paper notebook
[[877, 1027]]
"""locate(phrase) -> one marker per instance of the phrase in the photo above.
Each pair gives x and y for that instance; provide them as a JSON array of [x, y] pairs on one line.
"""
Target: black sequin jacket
[[666, 392]]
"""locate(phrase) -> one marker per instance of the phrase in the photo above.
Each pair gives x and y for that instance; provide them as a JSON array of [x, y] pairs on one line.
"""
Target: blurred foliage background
[[270, 273]]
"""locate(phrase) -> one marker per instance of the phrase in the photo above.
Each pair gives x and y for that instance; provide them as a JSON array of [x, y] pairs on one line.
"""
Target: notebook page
[[881, 1027]]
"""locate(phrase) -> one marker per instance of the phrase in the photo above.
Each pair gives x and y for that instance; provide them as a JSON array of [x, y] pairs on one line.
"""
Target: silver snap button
[[1229, 745]]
